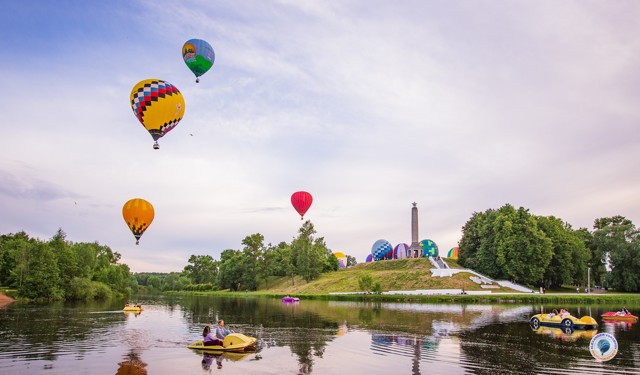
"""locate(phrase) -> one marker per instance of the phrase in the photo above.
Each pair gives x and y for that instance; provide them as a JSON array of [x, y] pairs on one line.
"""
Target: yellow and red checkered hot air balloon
[[138, 214], [158, 105]]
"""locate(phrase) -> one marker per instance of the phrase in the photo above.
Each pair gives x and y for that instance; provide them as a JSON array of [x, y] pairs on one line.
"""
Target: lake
[[309, 337]]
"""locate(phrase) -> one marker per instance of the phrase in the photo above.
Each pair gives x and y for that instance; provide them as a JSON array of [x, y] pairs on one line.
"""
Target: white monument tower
[[414, 250]]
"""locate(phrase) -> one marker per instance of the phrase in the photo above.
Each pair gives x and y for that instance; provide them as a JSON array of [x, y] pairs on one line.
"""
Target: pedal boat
[[233, 342], [133, 308], [612, 315], [290, 299], [570, 321]]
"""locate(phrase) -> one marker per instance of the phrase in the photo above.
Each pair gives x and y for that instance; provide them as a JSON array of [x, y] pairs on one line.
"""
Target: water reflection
[[567, 334], [130, 313], [207, 361], [321, 337], [133, 365], [612, 326]]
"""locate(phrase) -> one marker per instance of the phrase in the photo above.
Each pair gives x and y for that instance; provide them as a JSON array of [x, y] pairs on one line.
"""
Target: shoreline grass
[[508, 298]]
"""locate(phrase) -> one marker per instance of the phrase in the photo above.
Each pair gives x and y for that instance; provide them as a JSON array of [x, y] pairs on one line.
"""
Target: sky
[[459, 106]]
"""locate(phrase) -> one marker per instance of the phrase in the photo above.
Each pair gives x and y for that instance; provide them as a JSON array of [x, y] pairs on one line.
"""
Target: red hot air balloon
[[301, 201]]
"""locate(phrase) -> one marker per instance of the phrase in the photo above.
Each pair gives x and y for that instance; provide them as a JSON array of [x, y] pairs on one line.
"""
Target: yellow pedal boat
[[233, 342], [133, 308], [569, 321]]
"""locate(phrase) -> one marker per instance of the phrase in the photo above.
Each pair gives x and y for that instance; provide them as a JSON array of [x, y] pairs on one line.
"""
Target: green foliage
[[309, 253], [475, 247], [58, 269], [331, 262], [570, 254], [201, 269], [230, 276], [365, 282], [523, 251], [377, 288], [531, 250], [42, 280], [616, 244], [80, 289], [252, 254], [102, 290], [200, 287]]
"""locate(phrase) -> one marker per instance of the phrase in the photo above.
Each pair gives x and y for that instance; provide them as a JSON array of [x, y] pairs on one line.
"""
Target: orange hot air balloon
[[138, 214], [301, 201]]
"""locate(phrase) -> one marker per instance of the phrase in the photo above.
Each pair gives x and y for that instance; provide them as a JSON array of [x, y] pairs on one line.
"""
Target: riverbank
[[628, 299], [5, 300]]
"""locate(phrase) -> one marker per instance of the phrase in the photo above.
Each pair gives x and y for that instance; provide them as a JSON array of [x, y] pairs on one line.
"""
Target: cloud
[[367, 105]]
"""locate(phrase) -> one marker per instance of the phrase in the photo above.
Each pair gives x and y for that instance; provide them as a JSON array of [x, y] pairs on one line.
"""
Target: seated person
[[221, 332], [623, 312], [553, 313], [209, 339], [564, 313]]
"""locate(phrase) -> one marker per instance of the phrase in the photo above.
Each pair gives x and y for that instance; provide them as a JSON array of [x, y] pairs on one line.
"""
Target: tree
[[43, 277], [66, 258], [570, 255], [523, 251], [616, 244], [266, 264], [202, 269], [587, 239], [365, 282], [309, 253], [230, 275], [476, 244], [281, 260], [505, 243], [252, 252], [14, 258], [331, 262]]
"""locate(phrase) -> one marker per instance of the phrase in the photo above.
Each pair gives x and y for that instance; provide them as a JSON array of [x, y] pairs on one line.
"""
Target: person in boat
[[221, 332], [553, 313], [564, 313], [209, 339], [623, 312]]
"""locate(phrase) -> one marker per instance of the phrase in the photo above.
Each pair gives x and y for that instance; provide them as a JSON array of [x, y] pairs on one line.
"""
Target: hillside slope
[[399, 274]]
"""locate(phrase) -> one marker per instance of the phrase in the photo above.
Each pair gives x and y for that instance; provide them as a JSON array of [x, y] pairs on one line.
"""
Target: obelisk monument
[[415, 249]]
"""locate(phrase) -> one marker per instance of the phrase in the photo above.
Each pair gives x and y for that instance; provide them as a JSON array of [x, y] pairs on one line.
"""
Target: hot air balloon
[[369, 258], [380, 249], [453, 253], [158, 105], [138, 214], [301, 201], [429, 248], [199, 56], [342, 259], [400, 251]]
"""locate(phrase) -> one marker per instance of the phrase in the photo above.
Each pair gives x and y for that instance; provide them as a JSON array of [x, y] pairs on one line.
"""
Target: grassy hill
[[399, 274]]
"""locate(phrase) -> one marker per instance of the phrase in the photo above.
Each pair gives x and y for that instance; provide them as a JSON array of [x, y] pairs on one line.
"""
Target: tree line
[[251, 267], [58, 269], [61, 270], [544, 251], [504, 243]]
